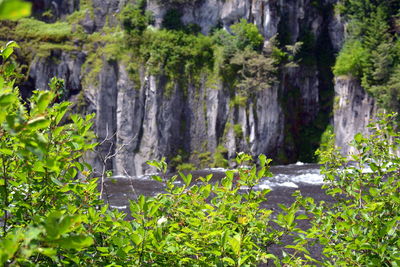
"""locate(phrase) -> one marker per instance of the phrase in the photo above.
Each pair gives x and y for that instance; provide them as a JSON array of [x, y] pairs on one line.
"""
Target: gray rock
[[60, 64], [149, 121], [52, 10], [353, 111]]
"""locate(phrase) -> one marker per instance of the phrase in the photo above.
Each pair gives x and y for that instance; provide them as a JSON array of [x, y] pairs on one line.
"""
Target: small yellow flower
[[243, 220]]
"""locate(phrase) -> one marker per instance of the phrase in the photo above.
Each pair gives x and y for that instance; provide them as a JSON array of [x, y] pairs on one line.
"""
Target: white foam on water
[[280, 177], [271, 185], [299, 163], [119, 207], [264, 186], [309, 178], [288, 184]]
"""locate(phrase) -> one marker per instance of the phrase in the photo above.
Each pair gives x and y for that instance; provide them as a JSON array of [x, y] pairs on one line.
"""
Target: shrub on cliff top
[[351, 60], [39, 30]]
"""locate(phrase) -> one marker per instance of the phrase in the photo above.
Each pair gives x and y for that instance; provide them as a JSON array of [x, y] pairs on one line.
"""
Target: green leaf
[[141, 202], [7, 99], [49, 252], [38, 123], [12, 44], [7, 52], [302, 217], [235, 243], [75, 242], [373, 191], [136, 238], [62, 109], [14, 9], [5, 151], [157, 178], [263, 160], [57, 182], [358, 138], [102, 249], [43, 101], [230, 261]]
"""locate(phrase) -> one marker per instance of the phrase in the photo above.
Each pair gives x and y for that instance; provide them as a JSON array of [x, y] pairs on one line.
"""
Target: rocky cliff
[[353, 111], [142, 122]]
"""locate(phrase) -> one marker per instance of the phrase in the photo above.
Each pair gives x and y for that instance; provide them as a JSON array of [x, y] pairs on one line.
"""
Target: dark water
[[286, 180]]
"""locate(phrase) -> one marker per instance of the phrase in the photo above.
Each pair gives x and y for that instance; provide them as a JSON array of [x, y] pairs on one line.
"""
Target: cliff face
[[142, 122], [353, 111]]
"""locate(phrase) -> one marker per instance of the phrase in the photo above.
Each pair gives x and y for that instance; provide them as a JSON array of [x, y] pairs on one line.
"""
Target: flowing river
[[285, 181]]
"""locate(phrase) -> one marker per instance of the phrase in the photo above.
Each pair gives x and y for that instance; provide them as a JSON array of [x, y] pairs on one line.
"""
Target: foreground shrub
[[51, 212], [363, 227]]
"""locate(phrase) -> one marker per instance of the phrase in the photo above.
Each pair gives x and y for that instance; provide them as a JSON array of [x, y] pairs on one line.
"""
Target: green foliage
[[327, 140], [220, 156], [244, 35], [256, 71], [371, 53], [52, 213], [185, 167], [247, 35], [38, 30], [176, 54], [351, 60], [172, 20], [239, 100], [237, 129], [202, 224], [39, 164], [205, 159], [14, 9], [362, 227], [134, 18], [184, 55]]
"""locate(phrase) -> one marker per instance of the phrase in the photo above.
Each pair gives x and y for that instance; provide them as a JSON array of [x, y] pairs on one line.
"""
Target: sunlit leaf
[[14, 9]]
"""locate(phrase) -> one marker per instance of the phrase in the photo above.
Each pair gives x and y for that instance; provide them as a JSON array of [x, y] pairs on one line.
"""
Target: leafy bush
[[52, 213], [34, 29], [362, 228], [172, 20], [220, 156], [176, 53], [41, 197], [244, 35], [202, 224], [351, 60], [247, 35], [134, 18]]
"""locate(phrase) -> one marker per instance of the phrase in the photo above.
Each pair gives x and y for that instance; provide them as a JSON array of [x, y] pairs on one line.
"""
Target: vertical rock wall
[[143, 121], [353, 111]]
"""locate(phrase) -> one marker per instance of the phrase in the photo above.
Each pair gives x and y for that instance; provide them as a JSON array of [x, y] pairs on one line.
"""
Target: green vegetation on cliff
[[372, 49], [180, 52]]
